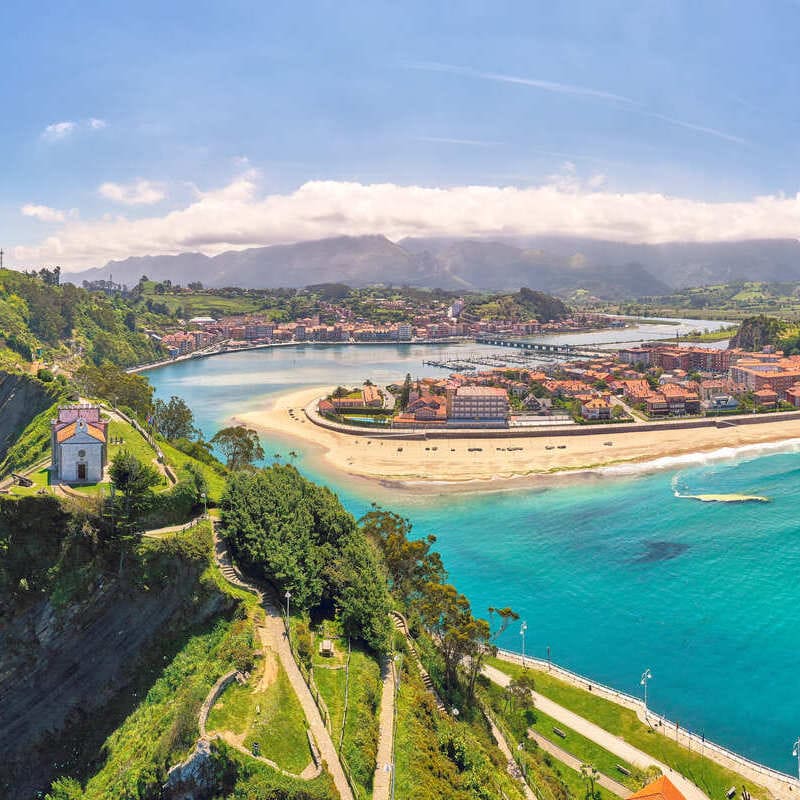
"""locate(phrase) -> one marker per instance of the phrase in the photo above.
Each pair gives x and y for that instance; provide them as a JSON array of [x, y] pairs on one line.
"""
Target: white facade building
[[79, 444]]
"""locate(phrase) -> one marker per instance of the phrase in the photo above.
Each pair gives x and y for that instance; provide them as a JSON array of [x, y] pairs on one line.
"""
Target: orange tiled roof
[[662, 789], [68, 431]]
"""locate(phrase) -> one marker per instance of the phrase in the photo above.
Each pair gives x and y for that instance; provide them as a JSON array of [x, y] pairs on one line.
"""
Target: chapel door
[[81, 472]]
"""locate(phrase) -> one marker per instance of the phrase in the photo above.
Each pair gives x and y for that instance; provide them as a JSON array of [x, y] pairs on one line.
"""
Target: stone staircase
[[401, 625]]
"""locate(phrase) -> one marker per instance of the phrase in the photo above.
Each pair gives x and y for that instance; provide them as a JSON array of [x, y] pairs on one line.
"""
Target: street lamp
[[523, 628], [205, 504], [455, 712], [796, 753], [646, 676], [288, 597]]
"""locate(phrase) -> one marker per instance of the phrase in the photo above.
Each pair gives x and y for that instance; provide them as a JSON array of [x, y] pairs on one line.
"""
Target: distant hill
[[521, 306], [557, 265]]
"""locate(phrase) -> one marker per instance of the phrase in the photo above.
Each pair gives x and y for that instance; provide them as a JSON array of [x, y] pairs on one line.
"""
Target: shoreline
[[484, 464]]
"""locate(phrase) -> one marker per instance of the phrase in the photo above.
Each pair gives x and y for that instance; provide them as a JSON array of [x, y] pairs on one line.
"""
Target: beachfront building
[[368, 397], [486, 406], [596, 408], [78, 443]]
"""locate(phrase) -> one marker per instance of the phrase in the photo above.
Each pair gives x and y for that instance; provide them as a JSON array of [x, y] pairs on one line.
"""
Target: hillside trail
[[273, 633], [384, 762]]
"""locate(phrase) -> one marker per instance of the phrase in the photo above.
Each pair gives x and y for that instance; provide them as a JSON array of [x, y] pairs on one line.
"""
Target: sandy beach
[[450, 461]]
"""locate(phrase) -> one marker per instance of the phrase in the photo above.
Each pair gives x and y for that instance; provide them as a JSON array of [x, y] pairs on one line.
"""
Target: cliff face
[[77, 653], [21, 399]]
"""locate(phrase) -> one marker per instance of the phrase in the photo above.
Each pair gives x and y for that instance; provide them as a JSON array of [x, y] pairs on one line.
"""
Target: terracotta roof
[[68, 431], [662, 789]]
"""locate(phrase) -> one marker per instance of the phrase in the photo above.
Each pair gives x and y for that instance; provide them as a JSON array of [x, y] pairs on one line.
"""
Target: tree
[[240, 446], [174, 419], [411, 563], [519, 691], [133, 479], [299, 537], [405, 393]]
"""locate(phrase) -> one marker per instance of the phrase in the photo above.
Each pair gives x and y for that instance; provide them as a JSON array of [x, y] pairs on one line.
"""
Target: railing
[[718, 752]]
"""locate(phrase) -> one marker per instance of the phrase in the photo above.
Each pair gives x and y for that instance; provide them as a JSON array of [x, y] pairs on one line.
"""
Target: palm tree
[[292, 455]]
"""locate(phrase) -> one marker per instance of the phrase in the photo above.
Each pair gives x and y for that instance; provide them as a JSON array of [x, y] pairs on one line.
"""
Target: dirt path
[[614, 744], [381, 783], [576, 764], [273, 634]]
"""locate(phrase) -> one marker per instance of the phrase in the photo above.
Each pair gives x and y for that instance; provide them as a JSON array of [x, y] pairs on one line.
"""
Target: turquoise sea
[[612, 571]]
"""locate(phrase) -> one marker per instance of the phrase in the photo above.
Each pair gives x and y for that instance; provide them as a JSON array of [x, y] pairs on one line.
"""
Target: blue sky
[[207, 111]]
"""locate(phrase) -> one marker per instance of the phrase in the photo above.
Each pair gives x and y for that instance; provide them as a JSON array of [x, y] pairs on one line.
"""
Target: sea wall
[[546, 430]]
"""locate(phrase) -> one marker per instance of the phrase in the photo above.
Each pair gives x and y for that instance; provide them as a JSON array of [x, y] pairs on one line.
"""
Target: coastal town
[[636, 384], [338, 324]]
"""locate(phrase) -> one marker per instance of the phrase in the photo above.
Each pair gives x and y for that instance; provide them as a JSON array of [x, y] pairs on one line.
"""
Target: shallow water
[[612, 571]]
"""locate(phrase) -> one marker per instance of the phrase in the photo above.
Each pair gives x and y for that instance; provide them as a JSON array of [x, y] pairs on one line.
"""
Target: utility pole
[[1, 257]]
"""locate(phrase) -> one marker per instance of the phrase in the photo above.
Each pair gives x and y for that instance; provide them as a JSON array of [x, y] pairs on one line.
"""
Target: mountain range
[[559, 265]]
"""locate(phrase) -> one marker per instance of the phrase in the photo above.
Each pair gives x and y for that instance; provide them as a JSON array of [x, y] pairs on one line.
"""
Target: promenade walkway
[[614, 744], [571, 761], [778, 784]]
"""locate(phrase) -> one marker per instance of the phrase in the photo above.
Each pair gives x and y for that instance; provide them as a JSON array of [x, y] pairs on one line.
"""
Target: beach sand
[[428, 463]]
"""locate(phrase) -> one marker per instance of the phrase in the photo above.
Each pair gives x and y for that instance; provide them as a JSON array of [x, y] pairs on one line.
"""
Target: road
[[614, 744]]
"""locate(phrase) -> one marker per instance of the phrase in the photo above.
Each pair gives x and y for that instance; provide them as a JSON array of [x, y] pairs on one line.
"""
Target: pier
[[549, 348]]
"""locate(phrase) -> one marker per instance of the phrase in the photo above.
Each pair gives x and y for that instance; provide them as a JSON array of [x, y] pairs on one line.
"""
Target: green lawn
[[579, 746], [206, 305], [360, 740], [273, 717], [712, 778]]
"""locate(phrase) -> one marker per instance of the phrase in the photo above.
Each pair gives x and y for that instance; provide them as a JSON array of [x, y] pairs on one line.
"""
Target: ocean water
[[612, 571]]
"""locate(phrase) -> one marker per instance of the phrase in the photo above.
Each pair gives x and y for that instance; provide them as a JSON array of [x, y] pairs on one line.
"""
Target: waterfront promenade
[[778, 783]]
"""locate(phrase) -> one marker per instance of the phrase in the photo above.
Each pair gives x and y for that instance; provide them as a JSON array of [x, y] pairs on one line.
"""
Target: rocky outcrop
[[195, 778], [21, 399]]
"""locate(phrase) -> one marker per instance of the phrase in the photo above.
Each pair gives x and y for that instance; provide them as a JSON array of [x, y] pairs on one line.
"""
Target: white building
[[79, 445]]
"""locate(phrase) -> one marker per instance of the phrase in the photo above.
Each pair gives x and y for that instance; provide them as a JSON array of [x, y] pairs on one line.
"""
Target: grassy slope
[[426, 768], [162, 729], [360, 740], [177, 459], [714, 779], [273, 717], [33, 443]]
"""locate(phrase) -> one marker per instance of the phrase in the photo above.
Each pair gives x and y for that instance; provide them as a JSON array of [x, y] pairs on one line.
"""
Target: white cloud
[[61, 130], [238, 216], [138, 193], [58, 130], [43, 213]]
